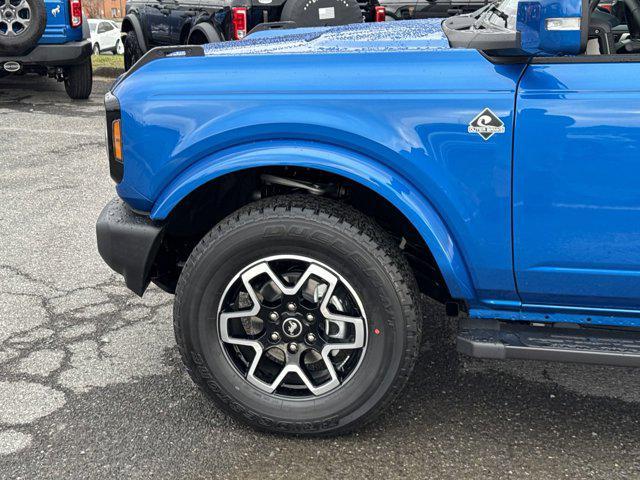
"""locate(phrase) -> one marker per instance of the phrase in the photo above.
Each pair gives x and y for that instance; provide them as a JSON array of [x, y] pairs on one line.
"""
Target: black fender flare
[[208, 30], [131, 22], [128, 243]]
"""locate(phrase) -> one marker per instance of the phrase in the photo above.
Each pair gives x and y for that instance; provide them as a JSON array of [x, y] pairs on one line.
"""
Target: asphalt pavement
[[91, 385]]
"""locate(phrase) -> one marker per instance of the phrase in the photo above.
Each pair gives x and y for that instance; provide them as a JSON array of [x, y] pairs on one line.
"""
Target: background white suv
[[105, 36]]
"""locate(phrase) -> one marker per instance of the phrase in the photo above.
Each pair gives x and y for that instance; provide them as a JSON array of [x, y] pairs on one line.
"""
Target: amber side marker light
[[116, 139]]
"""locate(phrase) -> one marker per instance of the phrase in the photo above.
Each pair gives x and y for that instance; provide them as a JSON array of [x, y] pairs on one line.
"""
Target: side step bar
[[502, 340]]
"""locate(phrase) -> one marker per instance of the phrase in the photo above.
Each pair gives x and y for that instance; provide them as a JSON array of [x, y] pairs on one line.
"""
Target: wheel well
[[203, 208], [126, 26], [196, 38]]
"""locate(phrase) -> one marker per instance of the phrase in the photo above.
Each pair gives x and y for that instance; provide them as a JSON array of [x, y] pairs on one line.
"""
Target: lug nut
[[293, 347], [275, 337], [310, 317], [273, 316], [311, 337], [291, 307]]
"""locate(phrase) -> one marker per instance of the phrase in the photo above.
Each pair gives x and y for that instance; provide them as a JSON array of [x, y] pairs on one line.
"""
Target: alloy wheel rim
[[293, 327], [15, 17]]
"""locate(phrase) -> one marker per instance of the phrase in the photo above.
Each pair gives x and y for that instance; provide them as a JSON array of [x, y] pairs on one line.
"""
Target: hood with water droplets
[[410, 35]]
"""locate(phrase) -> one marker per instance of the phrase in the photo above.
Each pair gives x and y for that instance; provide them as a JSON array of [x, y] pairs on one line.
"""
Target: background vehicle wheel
[[119, 47], [132, 50], [203, 33], [79, 80], [22, 23], [298, 314], [317, 13], [96, 49]]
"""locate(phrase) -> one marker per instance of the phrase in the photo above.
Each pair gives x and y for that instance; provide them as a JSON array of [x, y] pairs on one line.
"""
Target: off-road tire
[[132, 50], [79, 80], [18, 44], [350, 243]]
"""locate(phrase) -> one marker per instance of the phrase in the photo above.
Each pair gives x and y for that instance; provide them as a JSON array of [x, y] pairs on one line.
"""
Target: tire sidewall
[[132, 51], [224, 258], [79, 80], [20, 43]]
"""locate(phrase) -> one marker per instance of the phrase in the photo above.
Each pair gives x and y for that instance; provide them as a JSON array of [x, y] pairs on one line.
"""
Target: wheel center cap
[[292, 327]]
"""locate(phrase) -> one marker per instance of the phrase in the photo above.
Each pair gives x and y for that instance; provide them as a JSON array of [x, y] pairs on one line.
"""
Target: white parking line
[[53, 132]]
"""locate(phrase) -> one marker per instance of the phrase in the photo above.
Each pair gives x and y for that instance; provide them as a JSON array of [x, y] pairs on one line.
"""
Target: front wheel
[[298, 314], [132, 50], [79, 80], [96, 49], [119, 48]]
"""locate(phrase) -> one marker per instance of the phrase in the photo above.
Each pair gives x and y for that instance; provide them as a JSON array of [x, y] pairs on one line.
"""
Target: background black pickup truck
[[405, 10], [152, 23]]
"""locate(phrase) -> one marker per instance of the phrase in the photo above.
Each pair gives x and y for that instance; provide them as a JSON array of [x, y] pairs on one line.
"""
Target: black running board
[[501, 340]]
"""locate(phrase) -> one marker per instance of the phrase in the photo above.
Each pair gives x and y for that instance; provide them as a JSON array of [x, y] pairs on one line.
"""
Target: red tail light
[[75, 12], [381, 14], [239, 22]]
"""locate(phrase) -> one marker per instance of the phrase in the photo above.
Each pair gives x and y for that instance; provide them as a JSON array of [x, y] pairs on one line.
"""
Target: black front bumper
[[128, 242], [61, 55]]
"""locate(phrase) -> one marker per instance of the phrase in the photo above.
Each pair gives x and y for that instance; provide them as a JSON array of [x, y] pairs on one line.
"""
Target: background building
[[112, 9]]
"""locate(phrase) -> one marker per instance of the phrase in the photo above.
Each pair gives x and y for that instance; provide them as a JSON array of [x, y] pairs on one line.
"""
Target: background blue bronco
[[47, 38]]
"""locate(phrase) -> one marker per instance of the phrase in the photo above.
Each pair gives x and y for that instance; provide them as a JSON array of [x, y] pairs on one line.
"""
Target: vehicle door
[[180, 16], [114, 34], [576, 188], [159, 29], [57, 29], [105, 35], [432, 8]]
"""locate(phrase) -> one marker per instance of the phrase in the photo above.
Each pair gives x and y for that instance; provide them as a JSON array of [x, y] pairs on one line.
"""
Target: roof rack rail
[[162, 52]]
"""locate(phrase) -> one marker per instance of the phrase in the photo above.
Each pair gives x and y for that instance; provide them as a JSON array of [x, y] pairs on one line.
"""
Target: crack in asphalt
[[75, 148], [62, 312]]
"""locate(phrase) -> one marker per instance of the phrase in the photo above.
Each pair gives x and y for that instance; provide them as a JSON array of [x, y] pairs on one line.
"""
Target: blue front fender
[[358, 168]]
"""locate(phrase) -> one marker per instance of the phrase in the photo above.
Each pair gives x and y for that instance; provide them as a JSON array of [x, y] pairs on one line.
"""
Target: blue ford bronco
[[47, 38], [301, 214]]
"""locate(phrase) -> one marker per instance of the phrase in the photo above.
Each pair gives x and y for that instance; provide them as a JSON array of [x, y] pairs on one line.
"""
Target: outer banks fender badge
[[485, 124]]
